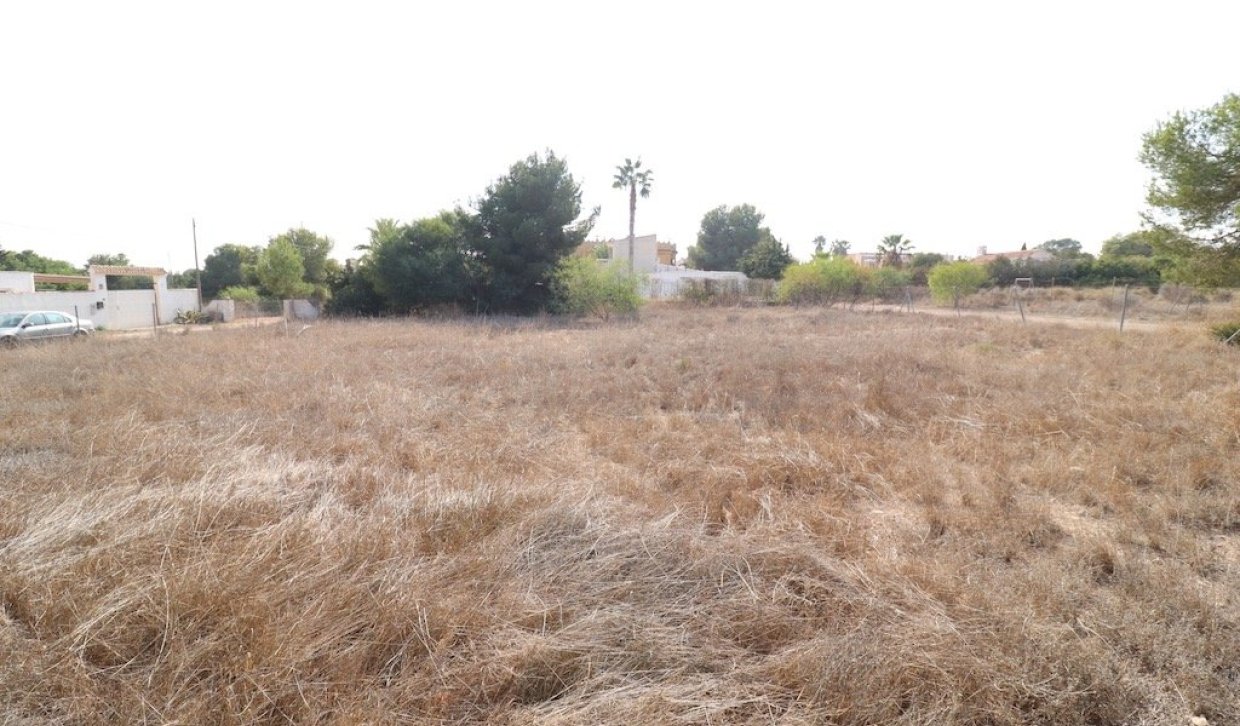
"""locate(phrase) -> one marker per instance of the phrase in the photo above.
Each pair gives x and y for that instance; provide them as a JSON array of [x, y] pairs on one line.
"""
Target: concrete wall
[[60, 301], [666, 282], [224, 310], [122, 309], [300, 310], [645, 253], [16, 282], [174, 300]]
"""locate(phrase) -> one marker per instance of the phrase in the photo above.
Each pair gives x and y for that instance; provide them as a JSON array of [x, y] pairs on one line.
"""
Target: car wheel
[[80, 334], [9, 342]]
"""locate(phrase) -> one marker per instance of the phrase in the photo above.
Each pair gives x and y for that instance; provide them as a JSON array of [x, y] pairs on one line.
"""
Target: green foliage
[[527, 221], [921, 264], [1134, 244], [951, 281], [840, 247], [1082, 271], [725, 236], [893, 248], [30, 261], [1227, 332], [886, 283], [422, 264], [353, 291], [583, 286], [116, 260], [1190, 262], [823, 281], [279, 270], [1108, 270], [317, 265], [230, 265], [820, 245], [120, 282], [767, 259], [185, 280], [631, 176], [1062, 248], [239, 293], [1195, 158]]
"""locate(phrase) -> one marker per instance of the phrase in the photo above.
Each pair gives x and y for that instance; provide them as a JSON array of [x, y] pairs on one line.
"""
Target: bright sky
[[956, 124]]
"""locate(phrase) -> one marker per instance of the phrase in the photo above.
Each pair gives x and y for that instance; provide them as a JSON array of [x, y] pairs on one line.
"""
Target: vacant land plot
[[704, 517]]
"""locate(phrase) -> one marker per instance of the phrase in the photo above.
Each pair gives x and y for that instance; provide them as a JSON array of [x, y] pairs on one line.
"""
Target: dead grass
[[1171, 304], [707, 516]]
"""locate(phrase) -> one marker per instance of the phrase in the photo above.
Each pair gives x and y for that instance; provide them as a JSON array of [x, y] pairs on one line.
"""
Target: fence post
[[77, 321], [1020, 305], [1123, 312], [154, 320]]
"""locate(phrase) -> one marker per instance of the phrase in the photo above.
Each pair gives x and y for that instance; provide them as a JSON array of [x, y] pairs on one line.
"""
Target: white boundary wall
[[121, 309], [667, 281]]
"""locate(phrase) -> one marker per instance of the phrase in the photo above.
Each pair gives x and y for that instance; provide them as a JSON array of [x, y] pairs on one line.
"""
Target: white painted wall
[[59, 301], [122, 309], [130, 309], [178, 299], [16, 282], [667, 281], [645, 252]]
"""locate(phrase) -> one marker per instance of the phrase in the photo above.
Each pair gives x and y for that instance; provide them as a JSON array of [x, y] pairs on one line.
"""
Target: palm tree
[[892, 247], [631, 175]]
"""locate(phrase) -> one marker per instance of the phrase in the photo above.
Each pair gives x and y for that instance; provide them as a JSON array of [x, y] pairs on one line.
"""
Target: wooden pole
[[1123, 313], [197, 271]]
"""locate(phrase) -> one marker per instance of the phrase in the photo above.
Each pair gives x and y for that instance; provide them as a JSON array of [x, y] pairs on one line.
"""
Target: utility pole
[[197, 272]]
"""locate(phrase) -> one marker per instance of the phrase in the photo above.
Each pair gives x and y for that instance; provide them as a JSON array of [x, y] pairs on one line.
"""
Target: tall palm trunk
[[632, 219]]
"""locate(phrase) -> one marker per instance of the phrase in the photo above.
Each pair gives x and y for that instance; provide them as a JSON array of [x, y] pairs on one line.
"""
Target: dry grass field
[[1173, 304], [708, 516]]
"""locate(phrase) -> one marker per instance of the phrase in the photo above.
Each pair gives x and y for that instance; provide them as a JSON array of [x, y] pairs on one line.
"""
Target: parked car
[[21, 327]]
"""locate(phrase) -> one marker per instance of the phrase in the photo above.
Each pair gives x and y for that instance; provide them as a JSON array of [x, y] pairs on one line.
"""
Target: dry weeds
[[1172, 304], [708, 516]]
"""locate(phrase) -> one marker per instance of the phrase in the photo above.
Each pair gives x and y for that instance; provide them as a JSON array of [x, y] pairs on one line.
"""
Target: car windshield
[[11, 320]]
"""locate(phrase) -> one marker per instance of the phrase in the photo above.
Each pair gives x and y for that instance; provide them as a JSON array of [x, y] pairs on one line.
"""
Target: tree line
[[511, 251]]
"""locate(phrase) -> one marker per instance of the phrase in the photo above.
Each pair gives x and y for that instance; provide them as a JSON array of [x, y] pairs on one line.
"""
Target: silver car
[[21, 327]]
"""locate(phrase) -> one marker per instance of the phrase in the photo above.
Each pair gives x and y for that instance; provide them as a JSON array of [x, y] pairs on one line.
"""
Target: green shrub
[[886, 283], [823, 281], [583, 286], [239, 293], [951, 281], [1227, 332]]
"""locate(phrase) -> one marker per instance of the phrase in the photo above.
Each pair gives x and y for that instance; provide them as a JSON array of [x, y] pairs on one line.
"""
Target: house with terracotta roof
[[1018, 257]]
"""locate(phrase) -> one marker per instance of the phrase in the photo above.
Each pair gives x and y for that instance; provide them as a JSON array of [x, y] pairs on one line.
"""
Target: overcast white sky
[[956, 124]]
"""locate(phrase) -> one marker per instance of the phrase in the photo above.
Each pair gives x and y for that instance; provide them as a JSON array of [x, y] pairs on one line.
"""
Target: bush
[[885, 283], [823, 281], [953, 280], [239, 293], [1227, 332], [582, 286]]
